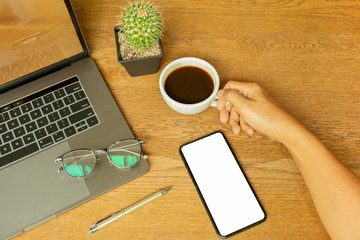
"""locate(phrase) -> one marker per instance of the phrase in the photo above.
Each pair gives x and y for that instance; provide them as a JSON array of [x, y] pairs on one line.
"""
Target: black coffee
[[189, 85]]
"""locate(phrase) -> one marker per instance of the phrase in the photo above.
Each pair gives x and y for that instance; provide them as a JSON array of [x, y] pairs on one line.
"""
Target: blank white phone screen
[[225, 190]]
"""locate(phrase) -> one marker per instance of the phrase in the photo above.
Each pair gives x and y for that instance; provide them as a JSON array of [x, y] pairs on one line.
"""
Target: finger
[[229, 106], [233, 97], [224, 115], [234, 121], [224, 109], [221, 104], [248, 90], [245, 127]]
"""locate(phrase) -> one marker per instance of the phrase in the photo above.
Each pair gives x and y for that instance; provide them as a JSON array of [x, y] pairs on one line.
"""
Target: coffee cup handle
[[214, 102]]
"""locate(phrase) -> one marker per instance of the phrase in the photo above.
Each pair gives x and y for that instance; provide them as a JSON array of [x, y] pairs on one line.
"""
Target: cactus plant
[[141, 25]]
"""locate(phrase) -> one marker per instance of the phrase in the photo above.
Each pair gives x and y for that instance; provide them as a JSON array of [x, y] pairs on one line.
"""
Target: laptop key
[[73, 88], [92, 121], [42, 121], [4, 149], [26, 107], [58, 136], [15, 112], [47, 109], [51, 128], [7, 137], [20, 153], [3, 128], [35, 114], [38, 103], [49, 98], [29, 138], [17, 144], [20, 131], [30, 127], [81, 115], [80, 105], [70, 131], [80, 129], [53, 117], [4, 117], [69, 99], [59, 93], [58, 104], [79, 95], [45, 142], [13, 124], [24, 119], [65, 112], [63, 123], [79, 124], [40, 133]]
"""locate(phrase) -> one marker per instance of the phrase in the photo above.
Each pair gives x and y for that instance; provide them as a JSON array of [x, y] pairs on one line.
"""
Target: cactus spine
[[141, 25]]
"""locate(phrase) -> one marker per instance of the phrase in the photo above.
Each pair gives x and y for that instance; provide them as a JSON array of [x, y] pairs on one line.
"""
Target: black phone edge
[[202, 198]]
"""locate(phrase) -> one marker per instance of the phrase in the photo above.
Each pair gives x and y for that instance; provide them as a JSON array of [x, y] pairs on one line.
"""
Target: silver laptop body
[[32, 190]]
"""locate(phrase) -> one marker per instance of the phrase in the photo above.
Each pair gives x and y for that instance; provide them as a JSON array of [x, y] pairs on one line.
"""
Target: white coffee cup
[[194, 107]]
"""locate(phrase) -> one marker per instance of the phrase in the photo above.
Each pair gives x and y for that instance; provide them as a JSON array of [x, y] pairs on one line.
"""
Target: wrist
[[295, 134]]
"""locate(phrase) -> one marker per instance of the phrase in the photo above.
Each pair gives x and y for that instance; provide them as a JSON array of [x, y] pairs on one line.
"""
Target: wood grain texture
[[306, 54]]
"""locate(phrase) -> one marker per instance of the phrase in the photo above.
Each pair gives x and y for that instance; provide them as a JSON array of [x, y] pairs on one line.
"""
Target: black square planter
[[140, 66]]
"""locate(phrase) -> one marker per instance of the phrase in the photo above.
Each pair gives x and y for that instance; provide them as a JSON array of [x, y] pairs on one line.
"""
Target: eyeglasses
[[81, 163]]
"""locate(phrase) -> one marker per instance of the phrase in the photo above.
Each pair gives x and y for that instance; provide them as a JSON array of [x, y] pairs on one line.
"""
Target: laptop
[[53, 99]]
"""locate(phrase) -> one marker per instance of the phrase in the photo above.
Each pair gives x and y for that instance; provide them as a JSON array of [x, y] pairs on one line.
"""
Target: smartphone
[[226, 193]]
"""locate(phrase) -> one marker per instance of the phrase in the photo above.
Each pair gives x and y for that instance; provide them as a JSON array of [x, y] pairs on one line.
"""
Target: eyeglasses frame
[[106, 150]]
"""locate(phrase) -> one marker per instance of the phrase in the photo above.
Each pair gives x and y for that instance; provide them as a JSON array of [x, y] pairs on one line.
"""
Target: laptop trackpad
[[33, 190]]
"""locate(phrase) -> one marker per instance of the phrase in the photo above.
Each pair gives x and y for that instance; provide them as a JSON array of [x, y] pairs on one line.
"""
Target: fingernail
[[249, 132]]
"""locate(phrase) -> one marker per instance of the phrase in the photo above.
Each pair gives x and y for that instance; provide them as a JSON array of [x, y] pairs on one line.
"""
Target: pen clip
[[105, 218]]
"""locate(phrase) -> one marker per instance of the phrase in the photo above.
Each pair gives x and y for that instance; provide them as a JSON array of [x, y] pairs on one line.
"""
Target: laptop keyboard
[[43, 119]]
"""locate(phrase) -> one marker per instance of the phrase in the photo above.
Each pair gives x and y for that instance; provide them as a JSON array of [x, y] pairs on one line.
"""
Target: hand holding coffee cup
[[189, 85]]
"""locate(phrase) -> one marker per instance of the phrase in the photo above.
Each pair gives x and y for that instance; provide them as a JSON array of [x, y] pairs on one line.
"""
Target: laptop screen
[[34, 34]]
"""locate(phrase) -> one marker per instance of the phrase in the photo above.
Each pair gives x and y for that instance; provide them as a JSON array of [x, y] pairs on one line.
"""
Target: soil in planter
[[129, 52]]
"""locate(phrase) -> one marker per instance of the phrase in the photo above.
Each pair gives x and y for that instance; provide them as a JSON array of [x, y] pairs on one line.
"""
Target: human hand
[[250, 108]]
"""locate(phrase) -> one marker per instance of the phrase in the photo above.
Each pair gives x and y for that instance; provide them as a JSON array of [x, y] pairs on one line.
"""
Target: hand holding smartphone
[[222, 186]]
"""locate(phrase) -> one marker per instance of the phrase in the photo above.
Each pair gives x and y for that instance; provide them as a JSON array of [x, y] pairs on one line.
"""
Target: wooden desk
[[306, 54]]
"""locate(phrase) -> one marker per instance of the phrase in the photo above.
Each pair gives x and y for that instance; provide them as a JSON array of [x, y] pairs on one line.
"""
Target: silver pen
[[105, 221]]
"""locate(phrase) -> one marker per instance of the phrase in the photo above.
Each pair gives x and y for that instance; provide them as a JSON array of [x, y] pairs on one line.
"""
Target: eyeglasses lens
[[79, 163], [125, 153]]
